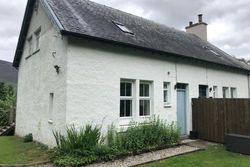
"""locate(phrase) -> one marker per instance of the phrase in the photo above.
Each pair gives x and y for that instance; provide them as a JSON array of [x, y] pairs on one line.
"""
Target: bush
[[83, 139], [28, 138], [86, 145], [149, 135], [7, 102]]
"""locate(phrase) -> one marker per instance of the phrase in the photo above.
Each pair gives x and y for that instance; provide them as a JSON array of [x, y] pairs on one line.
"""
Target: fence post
[[11, 118]]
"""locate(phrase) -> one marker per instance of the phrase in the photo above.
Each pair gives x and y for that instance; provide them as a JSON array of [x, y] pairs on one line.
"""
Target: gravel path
[[148, 157]]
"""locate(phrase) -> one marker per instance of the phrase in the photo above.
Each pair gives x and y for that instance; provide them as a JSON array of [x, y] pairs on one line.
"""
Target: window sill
[[126, 117], [32, 54], [145, 117], [167, 105], [36, 51]]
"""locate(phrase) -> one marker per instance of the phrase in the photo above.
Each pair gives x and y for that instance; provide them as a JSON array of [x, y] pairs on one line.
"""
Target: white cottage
[[81, 62]]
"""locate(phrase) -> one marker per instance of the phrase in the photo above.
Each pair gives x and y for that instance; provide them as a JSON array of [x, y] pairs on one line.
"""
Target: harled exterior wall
[[38, 78], [93, 86]]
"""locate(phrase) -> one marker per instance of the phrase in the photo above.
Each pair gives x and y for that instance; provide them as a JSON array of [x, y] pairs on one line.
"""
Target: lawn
[[14, 151], [212, 157]]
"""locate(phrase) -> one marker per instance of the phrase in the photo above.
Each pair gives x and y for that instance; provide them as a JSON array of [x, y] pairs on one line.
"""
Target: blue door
[[181, 110]]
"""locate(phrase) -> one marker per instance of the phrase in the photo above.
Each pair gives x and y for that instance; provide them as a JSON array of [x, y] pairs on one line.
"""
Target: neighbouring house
[[8, 73], [81, 62]]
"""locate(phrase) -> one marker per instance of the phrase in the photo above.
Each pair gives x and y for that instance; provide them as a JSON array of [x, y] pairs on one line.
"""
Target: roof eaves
[[23, 32]]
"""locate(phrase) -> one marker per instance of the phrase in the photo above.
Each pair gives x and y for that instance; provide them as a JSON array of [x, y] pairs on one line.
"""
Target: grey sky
[[228, 20]]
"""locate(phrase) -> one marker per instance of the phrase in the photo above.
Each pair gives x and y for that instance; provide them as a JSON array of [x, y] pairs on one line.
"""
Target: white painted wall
[[95, 70], [37, 79]]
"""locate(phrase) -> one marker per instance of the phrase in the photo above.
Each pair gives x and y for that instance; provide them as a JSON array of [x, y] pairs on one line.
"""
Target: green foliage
[[28, 138], [244, 61], [149, 135], [7, 102], [85, 138], [85, 146], [80, 147]]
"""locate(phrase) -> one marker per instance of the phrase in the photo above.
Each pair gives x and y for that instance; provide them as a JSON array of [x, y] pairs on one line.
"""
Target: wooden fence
[[214, 118]]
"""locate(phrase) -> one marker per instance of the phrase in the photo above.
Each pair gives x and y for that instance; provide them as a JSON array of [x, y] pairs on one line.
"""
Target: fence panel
[[214, 118]]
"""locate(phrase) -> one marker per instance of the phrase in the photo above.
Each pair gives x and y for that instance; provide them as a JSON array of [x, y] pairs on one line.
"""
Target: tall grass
[[85, 138]]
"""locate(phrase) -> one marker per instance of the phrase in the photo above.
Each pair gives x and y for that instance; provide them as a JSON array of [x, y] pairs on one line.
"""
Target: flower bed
[[85, 146]]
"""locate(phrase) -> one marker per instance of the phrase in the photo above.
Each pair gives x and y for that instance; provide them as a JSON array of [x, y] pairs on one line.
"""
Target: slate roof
[[7, 72], [84, 18]]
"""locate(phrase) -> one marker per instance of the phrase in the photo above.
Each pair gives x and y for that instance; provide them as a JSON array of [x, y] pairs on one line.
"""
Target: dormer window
[[123, 28]]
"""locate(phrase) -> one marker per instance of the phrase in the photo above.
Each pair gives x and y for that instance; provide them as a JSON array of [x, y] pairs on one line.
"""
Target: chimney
[[199, 29]]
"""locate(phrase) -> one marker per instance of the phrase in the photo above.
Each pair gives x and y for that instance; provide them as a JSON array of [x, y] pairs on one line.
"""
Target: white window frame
[[146, 98], [215, 91], [227, 93], [233, 91], [38, 38], [168, 89], [128, 98]]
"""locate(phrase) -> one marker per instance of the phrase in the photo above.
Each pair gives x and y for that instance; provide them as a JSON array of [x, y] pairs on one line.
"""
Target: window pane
[[144, 107], [122, 108], [203, 91], [144, 90], [128, 108], [125, 108], [125, 89], [128, 89], [122, 89], [165, 96], [165, 85], [233, 92], [224, 93]]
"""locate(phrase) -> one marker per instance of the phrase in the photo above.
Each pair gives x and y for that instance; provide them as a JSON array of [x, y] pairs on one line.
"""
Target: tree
[[244, 60], [7, 103]]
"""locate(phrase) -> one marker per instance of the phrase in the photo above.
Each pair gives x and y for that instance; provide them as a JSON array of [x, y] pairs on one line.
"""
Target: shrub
[[149, 135], [7, 102], [28, 138], [86, 146], [85, 138]]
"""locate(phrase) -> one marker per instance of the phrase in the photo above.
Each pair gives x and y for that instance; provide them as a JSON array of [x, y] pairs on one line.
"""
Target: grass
[[215, 156], [14, 151]]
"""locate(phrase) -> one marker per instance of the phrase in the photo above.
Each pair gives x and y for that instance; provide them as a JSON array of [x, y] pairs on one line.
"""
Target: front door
[[181, 110]]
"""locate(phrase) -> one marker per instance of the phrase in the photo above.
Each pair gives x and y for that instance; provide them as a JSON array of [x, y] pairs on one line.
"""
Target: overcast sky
[[228, 20]]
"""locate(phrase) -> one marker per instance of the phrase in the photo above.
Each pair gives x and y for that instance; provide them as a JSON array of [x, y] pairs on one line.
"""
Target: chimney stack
[[199, 29]]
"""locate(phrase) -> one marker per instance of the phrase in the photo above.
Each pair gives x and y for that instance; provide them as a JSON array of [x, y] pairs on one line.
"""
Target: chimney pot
[[190, 23], [200, 18]]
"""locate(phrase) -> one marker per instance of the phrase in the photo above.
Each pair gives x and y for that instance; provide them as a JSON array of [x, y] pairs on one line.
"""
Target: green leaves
[[85, 145], [7, 102], [145, 136]]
